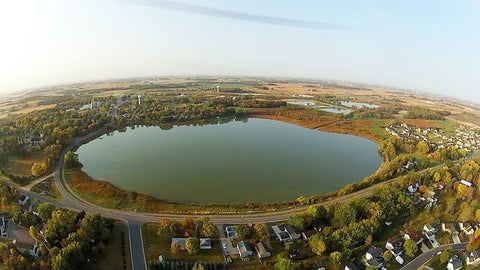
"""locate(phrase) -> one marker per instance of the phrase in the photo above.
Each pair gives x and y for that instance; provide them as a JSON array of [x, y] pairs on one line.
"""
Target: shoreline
[[181, 207]]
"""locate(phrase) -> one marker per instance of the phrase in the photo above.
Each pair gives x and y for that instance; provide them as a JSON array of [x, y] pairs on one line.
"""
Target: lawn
[[112, 257]]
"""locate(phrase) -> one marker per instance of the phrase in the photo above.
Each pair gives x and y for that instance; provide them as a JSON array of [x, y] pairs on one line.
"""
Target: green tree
[[422, 147], [317, 212], [284, 264], [45, 211], [242, 231], [335, 257], [60, 225], [93, 225], [198, 266], [343, 215], [317, 245], [410, 248], [69, 258], [208, 229], [387, 255], [192, 245], [445, 256], [387, 150], [260, 230], [298, 221], [71, 160]]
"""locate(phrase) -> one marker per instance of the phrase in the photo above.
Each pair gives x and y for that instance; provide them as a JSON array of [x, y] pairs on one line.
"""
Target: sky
[[430, 46]]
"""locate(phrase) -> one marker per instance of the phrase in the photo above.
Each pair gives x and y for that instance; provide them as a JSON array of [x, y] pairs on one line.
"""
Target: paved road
[[425, 257], [136, 246]]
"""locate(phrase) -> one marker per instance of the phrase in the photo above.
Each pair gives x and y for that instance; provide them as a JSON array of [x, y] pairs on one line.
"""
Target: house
[[261, 250], [466, 228], [395, 246], [429, 229], [231, 232], [429, 232], [374, 257], [414, 236], [244, 249], [23, 200], [205, 243], [473, 258], [465, 183], [292, 232], [448, 227], [454, 263], [180, 241], [281, 235]]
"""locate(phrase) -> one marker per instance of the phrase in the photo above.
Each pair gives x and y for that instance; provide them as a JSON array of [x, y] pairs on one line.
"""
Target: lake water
[[253, 160]]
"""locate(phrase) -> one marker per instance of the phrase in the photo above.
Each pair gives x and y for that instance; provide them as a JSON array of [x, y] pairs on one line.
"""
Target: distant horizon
[[365, 84]]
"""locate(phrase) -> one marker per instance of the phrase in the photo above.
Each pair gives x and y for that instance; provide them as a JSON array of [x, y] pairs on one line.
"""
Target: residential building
[[244, 249], [455, 263], [261, 250]]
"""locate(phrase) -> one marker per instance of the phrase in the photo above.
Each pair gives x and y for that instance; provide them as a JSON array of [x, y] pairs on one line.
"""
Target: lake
[[254, 160]]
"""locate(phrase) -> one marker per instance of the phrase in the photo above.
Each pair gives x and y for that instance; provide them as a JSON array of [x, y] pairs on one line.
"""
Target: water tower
[[139, 99], [218, 89]]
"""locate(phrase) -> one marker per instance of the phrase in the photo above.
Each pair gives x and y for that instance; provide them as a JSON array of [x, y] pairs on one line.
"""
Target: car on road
[[224, 246]]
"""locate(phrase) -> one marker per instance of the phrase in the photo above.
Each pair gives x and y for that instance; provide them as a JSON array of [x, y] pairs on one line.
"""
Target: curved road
[[419, 261]]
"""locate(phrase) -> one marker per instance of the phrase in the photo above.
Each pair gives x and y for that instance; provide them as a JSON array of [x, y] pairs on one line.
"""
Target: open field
[[22, 166], [372, 129]]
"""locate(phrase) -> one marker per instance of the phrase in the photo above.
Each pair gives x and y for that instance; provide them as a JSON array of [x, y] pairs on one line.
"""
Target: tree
[[33, 232], [387, 255], [422, 147], [260, 230], [317, 212], [335, 257], [174, 229], [93, 225], [187, 224], [192, 245], [387, 150], [284, 264], [343, 215], [410, 248], [208, 229], [317, 245], [445, 256], [39, 168], [69, 257], [298, 221], [45, 211], [60, 225], [198, 266], [242, 231], [71, 161], [175, 248]]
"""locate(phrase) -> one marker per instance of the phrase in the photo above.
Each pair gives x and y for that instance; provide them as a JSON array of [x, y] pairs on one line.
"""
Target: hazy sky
[[426, 45]]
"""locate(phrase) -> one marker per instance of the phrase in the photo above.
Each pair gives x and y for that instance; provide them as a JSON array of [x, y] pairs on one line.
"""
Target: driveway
[[136, 246], [455, 238], [224, 240]]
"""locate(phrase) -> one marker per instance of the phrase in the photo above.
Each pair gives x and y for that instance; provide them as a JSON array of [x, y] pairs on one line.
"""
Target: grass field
[[22, 166], [112, 257]]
